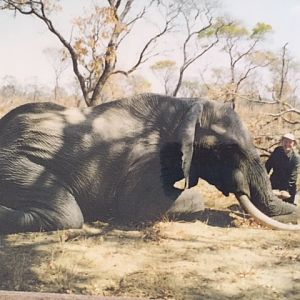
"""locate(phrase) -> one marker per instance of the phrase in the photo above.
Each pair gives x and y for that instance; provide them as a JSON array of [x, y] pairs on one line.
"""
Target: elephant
[[119, 162]]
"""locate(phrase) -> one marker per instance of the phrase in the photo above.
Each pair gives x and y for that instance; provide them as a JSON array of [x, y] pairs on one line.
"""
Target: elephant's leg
[[12, 221], [168, 201], [147, 194], [189, 201], [149, 203], [58, 213]]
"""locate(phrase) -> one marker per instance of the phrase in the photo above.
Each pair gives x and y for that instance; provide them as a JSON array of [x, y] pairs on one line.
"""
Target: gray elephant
[[60, 167]]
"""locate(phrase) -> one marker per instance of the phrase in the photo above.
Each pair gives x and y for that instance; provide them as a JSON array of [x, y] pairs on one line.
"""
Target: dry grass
[[199, 259]]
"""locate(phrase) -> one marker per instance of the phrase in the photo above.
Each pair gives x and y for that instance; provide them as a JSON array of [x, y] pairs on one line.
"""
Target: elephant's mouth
[[262, 218]]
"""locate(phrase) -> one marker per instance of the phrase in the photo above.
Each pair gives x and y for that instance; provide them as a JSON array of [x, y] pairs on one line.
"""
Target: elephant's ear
[[187, 136]]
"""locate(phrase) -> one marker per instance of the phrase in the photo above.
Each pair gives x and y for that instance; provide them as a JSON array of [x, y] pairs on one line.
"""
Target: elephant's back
[[29, 108], [23, 124]]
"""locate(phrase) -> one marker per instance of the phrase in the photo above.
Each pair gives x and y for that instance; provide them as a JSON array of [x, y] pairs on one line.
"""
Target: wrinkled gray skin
[[60, 167]]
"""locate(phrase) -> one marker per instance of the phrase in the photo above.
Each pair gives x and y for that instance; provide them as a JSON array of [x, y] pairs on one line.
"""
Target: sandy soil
[[219, 254]]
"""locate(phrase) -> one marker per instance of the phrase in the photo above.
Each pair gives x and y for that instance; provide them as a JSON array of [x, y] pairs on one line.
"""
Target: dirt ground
[[218, 254]]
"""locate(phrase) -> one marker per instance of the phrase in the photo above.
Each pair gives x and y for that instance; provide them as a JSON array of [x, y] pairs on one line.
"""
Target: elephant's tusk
[[262, 218]]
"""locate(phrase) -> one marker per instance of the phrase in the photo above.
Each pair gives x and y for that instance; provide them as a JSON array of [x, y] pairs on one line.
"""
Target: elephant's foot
[[13, 221], [36, 219], [189, 201]]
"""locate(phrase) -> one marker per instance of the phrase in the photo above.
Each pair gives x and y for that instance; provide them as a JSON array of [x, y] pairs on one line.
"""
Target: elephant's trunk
[[264, 205], [262, 218]]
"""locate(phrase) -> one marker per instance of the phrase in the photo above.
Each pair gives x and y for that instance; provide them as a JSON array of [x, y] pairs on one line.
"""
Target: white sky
[[23, 38]]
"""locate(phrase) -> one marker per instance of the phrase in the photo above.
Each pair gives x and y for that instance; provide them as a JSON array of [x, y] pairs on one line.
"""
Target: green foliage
[[261, 29], [237, 29], [234, 30], [211, 30]]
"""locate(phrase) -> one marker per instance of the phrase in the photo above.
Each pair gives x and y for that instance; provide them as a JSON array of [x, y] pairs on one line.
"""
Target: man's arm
[[295, 166], [269, 162]]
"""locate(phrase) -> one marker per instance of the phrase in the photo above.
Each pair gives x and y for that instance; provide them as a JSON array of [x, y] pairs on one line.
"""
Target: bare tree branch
[[190, 34], [284, 71], [291, 110], [102, 51], [142, 59]]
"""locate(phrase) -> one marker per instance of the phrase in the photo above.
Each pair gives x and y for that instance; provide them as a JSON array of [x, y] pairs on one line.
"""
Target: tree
[[137, 84], [97, 36], [93, 46], [244, 56], [165, 69], [198, 34], [191, 89], [201, 34], [285, 76], [59, 63], [9, 87], [275, 109], [119, 86]]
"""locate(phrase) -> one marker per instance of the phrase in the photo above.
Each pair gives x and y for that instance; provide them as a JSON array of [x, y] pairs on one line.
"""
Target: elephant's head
[[217, 147]]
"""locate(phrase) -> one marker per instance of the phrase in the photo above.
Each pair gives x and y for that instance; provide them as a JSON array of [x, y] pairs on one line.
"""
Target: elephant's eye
[[227, 122], [227, 154]]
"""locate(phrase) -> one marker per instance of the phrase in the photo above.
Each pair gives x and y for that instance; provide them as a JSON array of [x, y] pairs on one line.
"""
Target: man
[[285, 163]]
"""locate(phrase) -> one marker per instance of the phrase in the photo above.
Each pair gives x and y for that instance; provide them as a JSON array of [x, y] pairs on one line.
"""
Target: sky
[[282, 15], [23, 39]]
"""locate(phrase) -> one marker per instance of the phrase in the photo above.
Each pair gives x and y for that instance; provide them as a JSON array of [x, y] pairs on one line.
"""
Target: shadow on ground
[[211, 217], [179, 260]]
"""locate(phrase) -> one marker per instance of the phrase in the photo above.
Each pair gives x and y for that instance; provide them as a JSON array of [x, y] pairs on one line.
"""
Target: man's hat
[[289, 136]]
